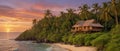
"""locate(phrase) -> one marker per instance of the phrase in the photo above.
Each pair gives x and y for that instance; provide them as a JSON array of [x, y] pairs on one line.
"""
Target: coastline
[[73, 48]]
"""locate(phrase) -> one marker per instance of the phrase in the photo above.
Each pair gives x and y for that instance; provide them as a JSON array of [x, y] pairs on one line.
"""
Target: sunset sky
[[17, 15]]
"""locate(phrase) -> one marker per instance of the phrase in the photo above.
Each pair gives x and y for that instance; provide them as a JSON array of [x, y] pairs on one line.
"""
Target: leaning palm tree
[[114, 9], [104, 15]]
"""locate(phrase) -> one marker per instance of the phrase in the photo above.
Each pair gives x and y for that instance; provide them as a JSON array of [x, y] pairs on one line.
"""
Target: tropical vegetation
[[57, 29]]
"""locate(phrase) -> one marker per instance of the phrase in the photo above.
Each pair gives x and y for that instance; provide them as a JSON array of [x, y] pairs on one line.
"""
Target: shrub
[[116, 30], [79, 39], [113, 47], [70, 38], [65, 38], [101, 41], [91, 37], [114, 44], [54, 38]]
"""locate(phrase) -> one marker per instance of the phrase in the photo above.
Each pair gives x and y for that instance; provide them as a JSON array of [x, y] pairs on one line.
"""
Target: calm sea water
[[8, 44]]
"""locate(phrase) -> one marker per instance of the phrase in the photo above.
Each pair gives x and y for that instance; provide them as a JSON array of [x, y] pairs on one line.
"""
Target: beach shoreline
[[73, 48]]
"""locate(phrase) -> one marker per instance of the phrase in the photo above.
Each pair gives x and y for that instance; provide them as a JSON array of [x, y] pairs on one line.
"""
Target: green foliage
[[70, 39], [101, 41], [116, 30], [57, 28], [114, 44], [90, 37], [24, 35], [54, 38], [113, 47], [65, 39], [41, 36], [79, 39]]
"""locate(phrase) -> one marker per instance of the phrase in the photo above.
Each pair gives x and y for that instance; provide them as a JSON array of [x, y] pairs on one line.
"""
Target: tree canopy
[[54, 29]]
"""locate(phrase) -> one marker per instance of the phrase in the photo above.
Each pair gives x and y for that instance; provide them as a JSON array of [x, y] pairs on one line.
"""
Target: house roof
[[97, 25], [87, 23]]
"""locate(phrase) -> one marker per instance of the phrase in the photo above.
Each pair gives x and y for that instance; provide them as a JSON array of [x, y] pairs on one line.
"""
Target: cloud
[[6, 10], [8, 19], [24, 14], [30, 9], [52, 7], [41, 8], [31, 12]]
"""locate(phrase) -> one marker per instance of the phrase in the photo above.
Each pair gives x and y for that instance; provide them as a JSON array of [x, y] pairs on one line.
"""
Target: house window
[[86, 27], [90, 28], [82, 28]]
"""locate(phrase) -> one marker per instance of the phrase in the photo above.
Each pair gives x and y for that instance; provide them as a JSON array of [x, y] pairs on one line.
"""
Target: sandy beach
[[73, 48]]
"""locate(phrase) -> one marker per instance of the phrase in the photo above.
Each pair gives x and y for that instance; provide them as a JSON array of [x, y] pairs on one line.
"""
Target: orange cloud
[[29, 12], [52, 7], [20, 19], [8, 19]]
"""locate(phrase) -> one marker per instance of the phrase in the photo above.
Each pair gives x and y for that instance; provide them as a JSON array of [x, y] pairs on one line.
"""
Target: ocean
[[7, 43]]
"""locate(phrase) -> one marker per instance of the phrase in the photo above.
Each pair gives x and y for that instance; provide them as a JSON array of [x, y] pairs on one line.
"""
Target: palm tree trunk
[[115, 11], [116, 18]]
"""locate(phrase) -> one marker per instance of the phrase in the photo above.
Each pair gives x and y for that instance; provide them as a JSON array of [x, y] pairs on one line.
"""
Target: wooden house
[[87, 26]]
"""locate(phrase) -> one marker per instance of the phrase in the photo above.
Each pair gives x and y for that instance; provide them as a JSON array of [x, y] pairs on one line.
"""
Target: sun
[[8, 30]]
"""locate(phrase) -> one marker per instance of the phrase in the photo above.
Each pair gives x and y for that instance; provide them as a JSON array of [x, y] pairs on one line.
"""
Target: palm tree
[[34, 21], [62, 13], [118, 5], [96, 9], [83, 12], [114, 8], [104, 14], [70, 15], [48, 14], [70, 10]]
